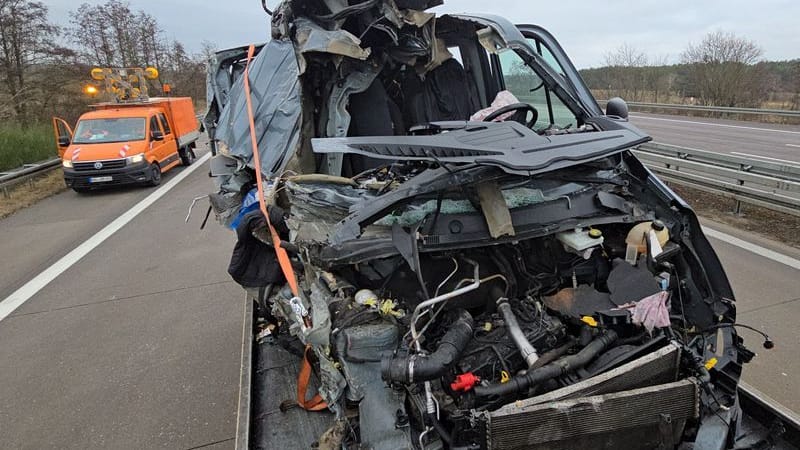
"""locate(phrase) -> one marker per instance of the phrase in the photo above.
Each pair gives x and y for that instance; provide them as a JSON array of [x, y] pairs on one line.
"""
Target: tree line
[[721, 70], [44, 67]]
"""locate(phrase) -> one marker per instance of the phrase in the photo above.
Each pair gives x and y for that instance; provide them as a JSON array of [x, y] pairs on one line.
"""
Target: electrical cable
[[768, 343]]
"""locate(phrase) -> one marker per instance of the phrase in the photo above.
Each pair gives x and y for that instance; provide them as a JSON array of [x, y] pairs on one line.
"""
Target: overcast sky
[[586, 30]]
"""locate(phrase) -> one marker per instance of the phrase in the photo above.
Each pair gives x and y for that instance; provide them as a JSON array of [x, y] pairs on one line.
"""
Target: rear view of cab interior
[[480, 261]]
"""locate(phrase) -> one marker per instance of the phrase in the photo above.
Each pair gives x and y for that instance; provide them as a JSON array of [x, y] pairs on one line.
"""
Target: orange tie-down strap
[[315, 403], [283, 257]]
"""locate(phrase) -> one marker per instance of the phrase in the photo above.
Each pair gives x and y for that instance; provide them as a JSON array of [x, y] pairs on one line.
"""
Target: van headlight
[[66, 163], [135, 158]]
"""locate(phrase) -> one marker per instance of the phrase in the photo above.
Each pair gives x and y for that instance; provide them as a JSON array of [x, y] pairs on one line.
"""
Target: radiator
[[637, 406]]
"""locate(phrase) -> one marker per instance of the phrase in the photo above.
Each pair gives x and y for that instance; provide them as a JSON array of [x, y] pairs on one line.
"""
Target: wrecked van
[[455, 241]]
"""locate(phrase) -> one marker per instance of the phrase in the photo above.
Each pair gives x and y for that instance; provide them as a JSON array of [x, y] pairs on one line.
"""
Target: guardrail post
[[737, 210], [5, 192]]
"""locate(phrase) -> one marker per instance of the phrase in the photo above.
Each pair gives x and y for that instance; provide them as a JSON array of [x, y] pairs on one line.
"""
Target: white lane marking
[[714, 124], [29, 289], [792, 145], [753, 248], [765, 157]]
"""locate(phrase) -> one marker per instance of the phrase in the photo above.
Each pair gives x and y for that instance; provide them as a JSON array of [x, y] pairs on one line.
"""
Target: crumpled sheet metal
[[311, 37], [275, 94], [318, 206]]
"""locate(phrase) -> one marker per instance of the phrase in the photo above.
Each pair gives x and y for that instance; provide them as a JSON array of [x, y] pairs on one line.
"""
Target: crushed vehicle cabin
[[444, 224]]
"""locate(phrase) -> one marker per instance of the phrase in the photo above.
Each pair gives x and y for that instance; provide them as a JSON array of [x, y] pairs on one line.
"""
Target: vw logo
[[98, 165]]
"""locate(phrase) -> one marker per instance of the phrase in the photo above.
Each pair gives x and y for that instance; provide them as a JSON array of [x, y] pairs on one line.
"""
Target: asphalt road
[[137, 344], [768, 298], [767, 292], [751, 139]]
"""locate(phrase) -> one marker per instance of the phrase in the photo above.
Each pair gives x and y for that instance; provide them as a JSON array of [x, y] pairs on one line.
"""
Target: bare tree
[[721, 69], [657, 78], [207, 50], [25, 37], [626, 78], [114, 35], [185, 73]]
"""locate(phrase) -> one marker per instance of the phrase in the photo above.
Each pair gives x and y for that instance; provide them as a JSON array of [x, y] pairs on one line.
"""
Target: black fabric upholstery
[[371, 114], [443, 95]]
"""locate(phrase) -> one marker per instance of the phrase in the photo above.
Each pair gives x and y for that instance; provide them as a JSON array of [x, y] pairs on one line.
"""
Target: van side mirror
[[63, 141], [157, 135], [617, 107]]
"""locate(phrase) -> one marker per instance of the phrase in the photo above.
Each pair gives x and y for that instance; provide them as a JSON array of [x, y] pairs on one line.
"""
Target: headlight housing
[[135, 158], [66, 163]]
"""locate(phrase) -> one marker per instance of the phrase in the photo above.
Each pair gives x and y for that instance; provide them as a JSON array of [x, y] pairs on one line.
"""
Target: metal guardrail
[[716, 109], [769, 184], [26, 172]]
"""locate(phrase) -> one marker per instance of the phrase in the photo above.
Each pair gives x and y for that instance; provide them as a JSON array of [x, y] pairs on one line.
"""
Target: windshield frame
[[100, 121], [512, 38]]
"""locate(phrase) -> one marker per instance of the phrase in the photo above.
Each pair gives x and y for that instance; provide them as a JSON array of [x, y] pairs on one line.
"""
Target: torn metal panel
[[358, 80], [222, 70], [310, 37], [275, 95], [415, 17], [495, 210]]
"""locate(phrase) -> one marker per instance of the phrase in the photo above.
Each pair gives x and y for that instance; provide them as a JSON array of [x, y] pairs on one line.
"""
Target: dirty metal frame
[[26, 172], [243, 410], [769, 184]]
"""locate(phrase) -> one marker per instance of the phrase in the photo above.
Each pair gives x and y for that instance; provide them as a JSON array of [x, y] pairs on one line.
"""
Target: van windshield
[[95, 131]]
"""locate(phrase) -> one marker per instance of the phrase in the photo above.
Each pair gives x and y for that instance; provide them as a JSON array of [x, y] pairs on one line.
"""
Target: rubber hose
[[414, 368], [560, 367]]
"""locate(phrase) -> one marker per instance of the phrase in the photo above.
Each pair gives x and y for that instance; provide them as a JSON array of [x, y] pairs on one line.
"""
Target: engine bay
[[429, 342]]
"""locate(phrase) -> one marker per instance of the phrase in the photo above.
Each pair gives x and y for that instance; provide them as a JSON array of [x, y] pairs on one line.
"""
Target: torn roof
[[352, 45]]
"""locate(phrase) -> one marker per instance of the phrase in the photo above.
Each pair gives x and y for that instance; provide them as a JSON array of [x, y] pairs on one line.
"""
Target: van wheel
[[187, 156], [155, 175], [80, 190]]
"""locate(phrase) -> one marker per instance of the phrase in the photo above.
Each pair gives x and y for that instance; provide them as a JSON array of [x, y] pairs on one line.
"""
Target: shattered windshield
[[98, 131]]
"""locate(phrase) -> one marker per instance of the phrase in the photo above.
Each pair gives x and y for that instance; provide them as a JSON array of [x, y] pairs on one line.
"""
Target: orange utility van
[[127, 143]]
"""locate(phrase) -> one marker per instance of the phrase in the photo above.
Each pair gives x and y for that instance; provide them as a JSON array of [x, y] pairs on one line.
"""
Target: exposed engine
[[449, 346]]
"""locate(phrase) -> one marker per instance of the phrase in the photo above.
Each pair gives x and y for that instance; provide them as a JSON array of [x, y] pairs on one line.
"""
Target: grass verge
[[27, 193], [20, 146]]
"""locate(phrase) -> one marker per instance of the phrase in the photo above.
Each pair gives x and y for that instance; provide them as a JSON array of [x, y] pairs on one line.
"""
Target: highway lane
[[768, 293], [137, 345], [768, 298], [62, 221], [725, 136]]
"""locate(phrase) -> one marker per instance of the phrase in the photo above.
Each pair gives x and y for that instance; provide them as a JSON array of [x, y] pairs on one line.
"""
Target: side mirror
[[63, 141], [157, 135], [617, 107]]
